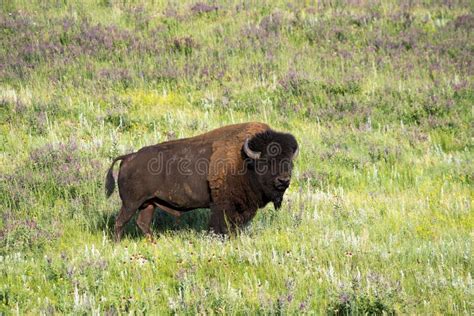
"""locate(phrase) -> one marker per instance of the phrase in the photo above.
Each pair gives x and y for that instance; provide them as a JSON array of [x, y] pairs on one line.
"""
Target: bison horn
[[249, 152], [295, 154]]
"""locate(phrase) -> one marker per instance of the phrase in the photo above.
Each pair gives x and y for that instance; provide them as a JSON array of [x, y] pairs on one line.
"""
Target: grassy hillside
[[378, 218]]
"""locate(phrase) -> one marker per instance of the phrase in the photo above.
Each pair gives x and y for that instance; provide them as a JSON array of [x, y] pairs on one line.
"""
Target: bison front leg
[[220, 221], [246, 216]]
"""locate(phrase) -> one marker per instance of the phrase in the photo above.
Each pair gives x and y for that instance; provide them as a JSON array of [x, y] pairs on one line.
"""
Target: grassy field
[[379, 216]]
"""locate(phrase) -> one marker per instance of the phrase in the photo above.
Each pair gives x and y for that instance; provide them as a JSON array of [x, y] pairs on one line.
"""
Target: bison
[[233, 170]]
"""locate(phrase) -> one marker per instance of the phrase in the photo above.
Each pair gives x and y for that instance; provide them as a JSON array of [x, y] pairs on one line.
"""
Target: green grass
[[379, 215]]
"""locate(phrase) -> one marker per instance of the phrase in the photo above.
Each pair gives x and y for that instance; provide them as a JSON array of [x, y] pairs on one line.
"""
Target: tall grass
[[378, 218]]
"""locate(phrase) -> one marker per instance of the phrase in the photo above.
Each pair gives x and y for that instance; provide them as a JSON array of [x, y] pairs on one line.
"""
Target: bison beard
[[277, 201], [233, 170]]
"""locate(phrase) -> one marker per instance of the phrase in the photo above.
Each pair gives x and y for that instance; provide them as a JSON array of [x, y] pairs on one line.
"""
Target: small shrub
[[18, 235]]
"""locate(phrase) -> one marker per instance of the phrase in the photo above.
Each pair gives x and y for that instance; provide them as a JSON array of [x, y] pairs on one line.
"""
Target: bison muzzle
[[233, 170]]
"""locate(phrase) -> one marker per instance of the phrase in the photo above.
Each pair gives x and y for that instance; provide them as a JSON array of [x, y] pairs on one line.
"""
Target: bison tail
[[109, 179]]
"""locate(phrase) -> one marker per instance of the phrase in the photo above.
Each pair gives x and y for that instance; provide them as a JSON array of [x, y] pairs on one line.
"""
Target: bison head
[[269, 158]]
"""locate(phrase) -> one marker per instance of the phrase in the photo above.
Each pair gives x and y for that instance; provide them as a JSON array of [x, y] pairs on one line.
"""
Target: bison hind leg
[[122, 219], [144, 220]]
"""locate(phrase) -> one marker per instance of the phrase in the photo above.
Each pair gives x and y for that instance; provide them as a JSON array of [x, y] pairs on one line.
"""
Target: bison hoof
[[220, 231]]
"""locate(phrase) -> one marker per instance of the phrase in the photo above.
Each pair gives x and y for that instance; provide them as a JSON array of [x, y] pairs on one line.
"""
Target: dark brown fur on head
[[272, 169]]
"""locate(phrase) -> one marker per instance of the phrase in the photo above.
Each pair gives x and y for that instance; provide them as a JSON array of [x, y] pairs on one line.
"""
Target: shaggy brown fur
[[225, 160], [234, 191]]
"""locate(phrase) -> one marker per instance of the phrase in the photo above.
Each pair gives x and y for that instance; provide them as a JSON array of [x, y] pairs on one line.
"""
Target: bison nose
[[283, 181]]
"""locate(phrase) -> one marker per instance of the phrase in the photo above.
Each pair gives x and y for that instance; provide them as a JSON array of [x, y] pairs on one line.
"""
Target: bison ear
[[249, 152]]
